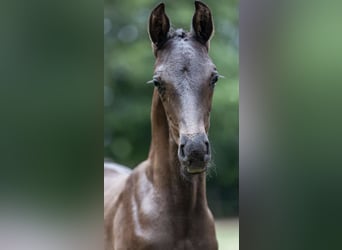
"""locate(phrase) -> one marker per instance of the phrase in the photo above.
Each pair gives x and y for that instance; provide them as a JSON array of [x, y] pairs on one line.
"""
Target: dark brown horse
[[162, 203]]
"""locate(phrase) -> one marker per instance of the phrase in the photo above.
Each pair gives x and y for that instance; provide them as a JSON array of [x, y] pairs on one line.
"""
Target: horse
[[162, 203]]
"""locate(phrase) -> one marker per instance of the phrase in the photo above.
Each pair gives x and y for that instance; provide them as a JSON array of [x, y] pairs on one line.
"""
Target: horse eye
[[214, 79], [156, 82]]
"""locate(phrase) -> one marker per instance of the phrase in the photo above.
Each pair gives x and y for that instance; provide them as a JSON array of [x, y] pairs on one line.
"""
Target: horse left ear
[[202, 23]]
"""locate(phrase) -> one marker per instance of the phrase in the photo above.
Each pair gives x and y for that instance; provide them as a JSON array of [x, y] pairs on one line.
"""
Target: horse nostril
[[182, 150], [207, 147]]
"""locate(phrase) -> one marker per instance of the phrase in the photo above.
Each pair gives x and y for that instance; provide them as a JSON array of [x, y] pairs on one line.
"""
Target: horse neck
[[164, 169]]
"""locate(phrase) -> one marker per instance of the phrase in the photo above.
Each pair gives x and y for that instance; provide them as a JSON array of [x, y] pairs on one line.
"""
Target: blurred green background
[[128, 65]]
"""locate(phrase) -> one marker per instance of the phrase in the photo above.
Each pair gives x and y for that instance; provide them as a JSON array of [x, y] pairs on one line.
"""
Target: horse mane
[[178, 33]]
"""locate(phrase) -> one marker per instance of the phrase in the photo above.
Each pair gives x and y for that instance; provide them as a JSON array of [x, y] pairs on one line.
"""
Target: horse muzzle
[[194, 152]]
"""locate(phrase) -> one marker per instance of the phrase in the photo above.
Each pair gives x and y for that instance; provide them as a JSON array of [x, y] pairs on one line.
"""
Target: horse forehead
[[184, 56]]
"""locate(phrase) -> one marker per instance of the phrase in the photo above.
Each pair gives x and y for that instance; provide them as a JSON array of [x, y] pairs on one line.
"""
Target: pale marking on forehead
[[183, 60]]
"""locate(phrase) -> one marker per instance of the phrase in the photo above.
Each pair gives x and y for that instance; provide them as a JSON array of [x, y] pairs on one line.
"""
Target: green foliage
[[129, 65]]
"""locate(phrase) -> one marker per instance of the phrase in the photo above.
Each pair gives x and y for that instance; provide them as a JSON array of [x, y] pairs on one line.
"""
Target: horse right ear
[[159, 25]]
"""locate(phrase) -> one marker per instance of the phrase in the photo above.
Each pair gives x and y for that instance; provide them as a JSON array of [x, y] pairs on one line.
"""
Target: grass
[[227, 231]]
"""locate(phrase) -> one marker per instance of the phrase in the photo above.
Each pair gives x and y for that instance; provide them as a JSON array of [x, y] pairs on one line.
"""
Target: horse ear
[[202, 23], [159, 25]]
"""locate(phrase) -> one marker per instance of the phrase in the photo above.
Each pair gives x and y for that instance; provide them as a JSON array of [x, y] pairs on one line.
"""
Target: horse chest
[[162, 237], [168, 231], [153, 226]]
